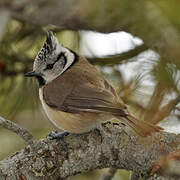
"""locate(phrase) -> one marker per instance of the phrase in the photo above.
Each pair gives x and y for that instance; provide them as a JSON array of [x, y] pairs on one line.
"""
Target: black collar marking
[[41, 80], [76, 57], [65, 59]]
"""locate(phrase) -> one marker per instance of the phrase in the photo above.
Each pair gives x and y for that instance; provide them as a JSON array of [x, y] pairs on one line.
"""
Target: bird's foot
[[59, 136]]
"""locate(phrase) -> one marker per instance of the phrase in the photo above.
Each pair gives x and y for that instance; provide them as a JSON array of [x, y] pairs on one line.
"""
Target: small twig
[[165, 110], [23, 133], [110, 174]]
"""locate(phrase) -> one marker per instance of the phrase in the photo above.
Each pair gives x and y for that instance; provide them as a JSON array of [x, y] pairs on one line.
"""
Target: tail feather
[[141, 127]]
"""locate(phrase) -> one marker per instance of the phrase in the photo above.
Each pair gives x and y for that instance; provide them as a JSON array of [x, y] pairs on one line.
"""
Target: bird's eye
[[49, 66]]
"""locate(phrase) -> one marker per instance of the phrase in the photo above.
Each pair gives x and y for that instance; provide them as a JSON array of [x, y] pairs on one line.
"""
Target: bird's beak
[[31, 74]]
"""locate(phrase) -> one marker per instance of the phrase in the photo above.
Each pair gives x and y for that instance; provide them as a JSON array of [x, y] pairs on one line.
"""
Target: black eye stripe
[[59, 56], [65, 60], [50, 66]]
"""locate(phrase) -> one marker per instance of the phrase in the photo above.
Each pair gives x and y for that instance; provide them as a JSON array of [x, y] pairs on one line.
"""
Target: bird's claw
[[59, 136]]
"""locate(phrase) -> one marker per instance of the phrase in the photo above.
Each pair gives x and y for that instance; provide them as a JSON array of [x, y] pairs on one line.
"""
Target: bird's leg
[[59, 136]]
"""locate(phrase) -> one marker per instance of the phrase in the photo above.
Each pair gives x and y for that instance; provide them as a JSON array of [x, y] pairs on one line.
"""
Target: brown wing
[[81, 90]]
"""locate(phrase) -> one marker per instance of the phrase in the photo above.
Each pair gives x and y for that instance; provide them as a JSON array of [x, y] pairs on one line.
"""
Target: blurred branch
[[165, 110], [4, 18], [111, 60], [23, 133], [111, 147], [169, 165], [155, 102], [98, 61], [110, 174]]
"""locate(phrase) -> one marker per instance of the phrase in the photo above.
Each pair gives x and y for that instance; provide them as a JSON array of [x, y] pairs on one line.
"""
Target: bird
[[75, 95]]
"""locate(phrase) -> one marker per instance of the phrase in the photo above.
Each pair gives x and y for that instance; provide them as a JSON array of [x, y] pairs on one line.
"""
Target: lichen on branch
[[112, 146]]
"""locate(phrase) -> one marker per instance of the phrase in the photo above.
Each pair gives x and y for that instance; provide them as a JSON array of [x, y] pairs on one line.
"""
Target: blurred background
[[147, 82]]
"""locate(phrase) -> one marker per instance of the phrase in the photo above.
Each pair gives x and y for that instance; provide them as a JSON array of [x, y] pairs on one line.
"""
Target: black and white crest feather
[[47, 48]]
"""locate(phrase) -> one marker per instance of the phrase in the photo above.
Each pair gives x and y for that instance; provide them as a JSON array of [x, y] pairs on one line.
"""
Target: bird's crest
[[48, 47]]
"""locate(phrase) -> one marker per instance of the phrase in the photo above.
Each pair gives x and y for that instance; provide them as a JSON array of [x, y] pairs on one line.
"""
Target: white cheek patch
[[68, 54], [49, 78], [70, 57]]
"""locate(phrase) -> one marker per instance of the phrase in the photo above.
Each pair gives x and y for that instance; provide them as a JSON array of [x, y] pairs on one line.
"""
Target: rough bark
[[113, 146]]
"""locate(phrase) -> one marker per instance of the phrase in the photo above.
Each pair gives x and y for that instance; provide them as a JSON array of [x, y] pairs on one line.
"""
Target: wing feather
[[85, 98], [80, 90]]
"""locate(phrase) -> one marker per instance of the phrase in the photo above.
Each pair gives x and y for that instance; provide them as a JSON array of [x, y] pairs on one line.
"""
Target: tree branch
[[110, 60], [117, 59], [23, 133], [112, 147]]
